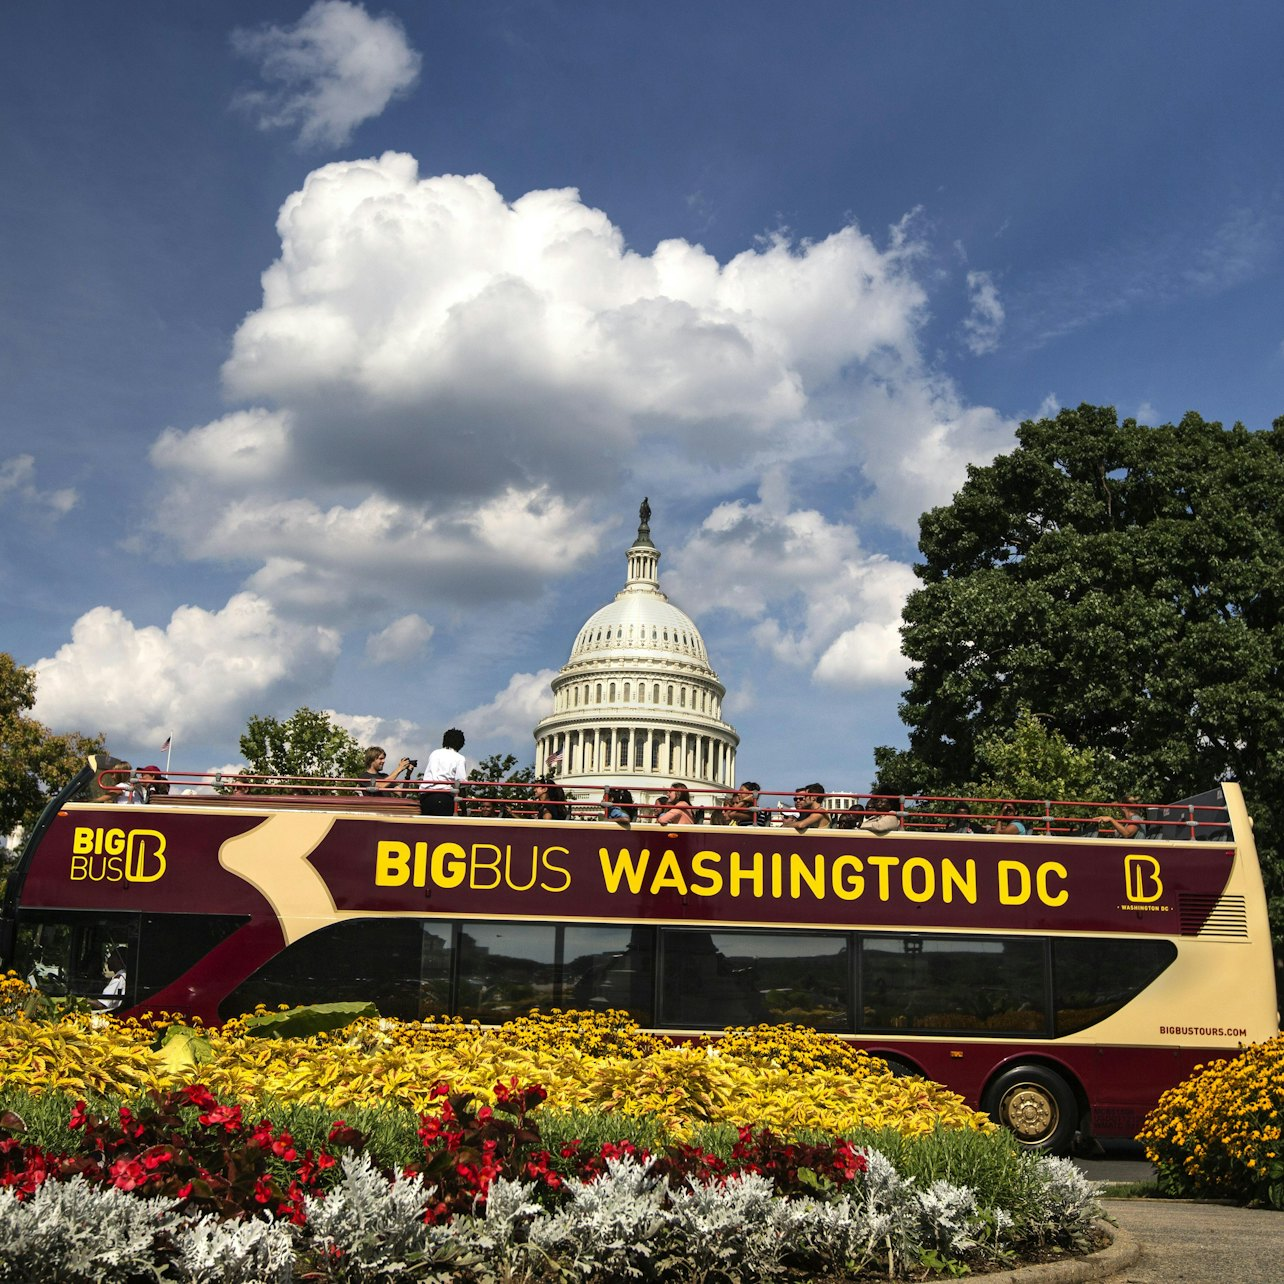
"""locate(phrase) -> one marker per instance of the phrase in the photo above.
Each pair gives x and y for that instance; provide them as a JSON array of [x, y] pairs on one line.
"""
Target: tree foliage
[[1126, 583], [307, 743], [1031, 760], [34, 762], [500, 767]]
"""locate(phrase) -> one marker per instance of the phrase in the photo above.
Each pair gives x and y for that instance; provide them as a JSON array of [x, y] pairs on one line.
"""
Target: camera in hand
[[412, 764]]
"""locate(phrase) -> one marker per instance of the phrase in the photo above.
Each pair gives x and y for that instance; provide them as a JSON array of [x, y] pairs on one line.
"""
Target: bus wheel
[[1036, 1104], [900, 1068]]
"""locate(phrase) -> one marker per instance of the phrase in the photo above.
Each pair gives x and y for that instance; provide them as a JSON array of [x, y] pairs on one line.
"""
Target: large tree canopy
[[1126, 584], [34, 762]]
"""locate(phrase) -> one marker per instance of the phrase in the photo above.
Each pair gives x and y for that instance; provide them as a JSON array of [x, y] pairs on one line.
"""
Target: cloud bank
[[445, 398]]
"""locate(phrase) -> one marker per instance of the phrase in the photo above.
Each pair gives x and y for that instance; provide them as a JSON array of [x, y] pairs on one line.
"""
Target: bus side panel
[[140, 858], [1121, 1084]]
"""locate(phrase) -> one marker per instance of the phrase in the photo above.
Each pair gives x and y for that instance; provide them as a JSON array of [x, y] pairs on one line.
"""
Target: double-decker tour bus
[[1058, 980]]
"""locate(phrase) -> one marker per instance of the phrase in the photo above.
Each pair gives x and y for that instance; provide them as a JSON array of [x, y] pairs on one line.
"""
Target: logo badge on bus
[[117, 855], [1141, 879]]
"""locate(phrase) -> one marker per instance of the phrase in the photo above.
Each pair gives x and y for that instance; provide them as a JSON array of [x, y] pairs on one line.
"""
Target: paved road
[[1187, 1243], [1123, 1161]]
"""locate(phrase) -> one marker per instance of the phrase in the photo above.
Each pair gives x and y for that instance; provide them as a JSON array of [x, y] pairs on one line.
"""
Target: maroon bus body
[[596, 873]]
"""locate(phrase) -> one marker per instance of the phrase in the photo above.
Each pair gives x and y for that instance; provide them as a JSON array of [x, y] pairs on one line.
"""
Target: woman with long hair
[[550, 801], [677, 807]]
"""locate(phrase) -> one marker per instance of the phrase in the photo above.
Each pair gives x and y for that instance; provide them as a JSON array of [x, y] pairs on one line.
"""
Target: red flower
[[229, 1117], [128, 1174], [199, 1095]]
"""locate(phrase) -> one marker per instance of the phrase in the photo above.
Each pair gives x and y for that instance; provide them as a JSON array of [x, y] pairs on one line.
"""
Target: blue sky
[[339, 345]]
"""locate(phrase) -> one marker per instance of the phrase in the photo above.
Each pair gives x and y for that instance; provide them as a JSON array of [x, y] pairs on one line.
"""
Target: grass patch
[[1131, 1190]]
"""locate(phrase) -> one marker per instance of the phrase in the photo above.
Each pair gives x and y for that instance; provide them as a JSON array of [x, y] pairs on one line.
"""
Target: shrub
[[1217, 1134]]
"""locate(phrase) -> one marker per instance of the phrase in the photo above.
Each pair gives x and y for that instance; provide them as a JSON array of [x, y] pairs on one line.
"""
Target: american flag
[[554, 758], [165, 746]]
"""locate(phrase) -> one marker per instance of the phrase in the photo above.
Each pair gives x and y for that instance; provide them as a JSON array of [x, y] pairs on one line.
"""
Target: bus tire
[[1036, 1104]]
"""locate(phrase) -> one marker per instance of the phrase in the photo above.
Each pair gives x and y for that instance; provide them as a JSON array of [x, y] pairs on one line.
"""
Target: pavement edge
[[1122, 1251]]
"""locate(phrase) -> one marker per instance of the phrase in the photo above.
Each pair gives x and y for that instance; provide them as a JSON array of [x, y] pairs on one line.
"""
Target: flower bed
[[185, 1187], [1217, 1134], [384, 1150], [780, 1077]]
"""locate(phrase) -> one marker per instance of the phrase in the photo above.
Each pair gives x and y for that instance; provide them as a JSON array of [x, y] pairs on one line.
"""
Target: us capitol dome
[[638, 703]]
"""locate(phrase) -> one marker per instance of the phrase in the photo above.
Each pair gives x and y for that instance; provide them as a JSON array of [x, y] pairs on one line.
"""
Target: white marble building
[[638, 703]]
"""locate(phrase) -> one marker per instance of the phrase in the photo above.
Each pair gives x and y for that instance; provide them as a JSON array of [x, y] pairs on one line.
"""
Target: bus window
[[436, 951], [714, 979], [1094, 978], [79, 955], [169, 944], [360, 960], [991, 984], [609, 967], [505, 969]]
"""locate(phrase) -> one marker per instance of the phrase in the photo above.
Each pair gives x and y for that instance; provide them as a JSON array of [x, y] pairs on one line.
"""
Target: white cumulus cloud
[[18, 486], [199, 677], [405, 639], [399, 736], [444, 393], [332, 70], [510, 717], [820, 601]]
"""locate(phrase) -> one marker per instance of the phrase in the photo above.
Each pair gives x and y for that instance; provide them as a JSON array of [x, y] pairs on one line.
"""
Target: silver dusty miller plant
[[627, 1224]]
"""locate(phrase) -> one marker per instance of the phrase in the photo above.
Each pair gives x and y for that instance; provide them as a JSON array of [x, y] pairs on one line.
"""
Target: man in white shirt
[[444, 772]]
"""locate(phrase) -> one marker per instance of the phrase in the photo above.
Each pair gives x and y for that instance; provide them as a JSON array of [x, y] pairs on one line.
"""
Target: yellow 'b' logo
[[144, 855], [1141, 877]]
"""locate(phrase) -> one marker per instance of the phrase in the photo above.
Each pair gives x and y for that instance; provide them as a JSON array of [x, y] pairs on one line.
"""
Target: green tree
[[500, 767], [307, 743], [1031, 760], [34, 762], [1128, 583]]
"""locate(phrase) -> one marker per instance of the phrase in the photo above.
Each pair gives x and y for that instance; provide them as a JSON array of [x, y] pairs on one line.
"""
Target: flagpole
[[169, 746]]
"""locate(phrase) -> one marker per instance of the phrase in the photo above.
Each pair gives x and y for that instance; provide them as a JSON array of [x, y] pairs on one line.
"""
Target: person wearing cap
[[137, 788]]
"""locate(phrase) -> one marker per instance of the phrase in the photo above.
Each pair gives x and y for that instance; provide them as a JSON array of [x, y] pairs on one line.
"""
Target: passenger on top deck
[[677, 807], [617, 805], [810, 801], [1127, 825], [376, 778], [742, 809], [1007, 822], [550, 801], [444, 772], [849, 819], [880, 817], [154, 781], [128, 788]]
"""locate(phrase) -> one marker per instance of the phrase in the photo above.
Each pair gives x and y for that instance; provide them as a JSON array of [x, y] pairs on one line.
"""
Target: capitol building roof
[[638, 703]]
